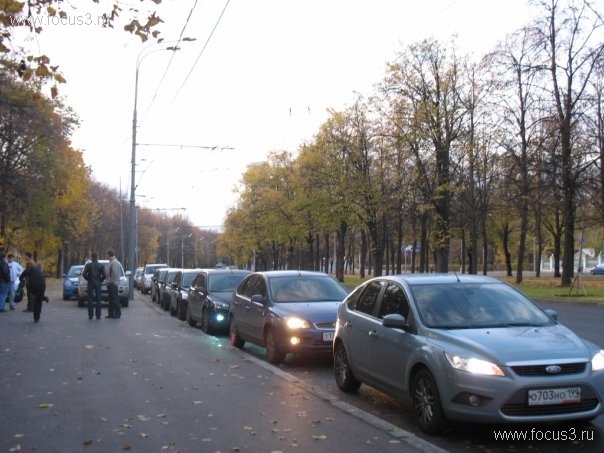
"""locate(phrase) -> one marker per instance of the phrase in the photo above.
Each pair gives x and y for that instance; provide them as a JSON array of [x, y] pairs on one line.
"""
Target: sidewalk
[[150, 383]]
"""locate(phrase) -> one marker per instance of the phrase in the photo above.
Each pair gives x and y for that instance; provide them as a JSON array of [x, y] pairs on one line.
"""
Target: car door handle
[[348, 324], [373, 333]]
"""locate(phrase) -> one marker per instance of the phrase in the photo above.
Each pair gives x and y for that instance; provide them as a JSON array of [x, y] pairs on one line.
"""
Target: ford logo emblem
[[553, 369]]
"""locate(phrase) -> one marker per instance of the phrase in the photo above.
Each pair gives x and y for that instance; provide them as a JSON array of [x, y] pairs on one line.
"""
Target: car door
[[391, 348], [256, 310], [196, 292], [360, 325], [241, 304]]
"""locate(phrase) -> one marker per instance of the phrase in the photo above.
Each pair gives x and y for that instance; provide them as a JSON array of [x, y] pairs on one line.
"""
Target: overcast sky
[[261, 82]]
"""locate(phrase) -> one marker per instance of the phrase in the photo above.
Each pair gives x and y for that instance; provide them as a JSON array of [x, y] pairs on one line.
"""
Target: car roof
[[428, 279], [223, 270], [292, 273]]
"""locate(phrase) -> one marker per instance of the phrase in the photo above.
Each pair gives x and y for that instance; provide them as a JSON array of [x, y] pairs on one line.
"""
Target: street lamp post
[[132, 233]]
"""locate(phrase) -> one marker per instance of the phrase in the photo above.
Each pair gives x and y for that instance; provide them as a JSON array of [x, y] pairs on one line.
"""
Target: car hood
[[511, 345], [222, 297], [311, 311]]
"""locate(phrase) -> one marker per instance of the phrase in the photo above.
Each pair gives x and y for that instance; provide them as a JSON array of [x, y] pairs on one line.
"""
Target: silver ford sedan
[[465, 348]]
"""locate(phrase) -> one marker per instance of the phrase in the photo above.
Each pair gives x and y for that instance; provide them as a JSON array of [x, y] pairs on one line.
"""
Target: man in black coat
[[37, 286]]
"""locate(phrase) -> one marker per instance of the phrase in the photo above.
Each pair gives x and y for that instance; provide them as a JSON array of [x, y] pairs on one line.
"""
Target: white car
[[147, 275], [122, 289]]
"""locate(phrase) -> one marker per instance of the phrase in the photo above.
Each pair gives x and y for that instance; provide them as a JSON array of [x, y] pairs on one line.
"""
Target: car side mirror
[[552, 314], [395, 321], [259, 299]]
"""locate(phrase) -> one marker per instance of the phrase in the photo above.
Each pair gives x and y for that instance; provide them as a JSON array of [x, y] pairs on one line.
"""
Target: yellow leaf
[[321, 437], [45, 405], [51, 11], [88, 442]]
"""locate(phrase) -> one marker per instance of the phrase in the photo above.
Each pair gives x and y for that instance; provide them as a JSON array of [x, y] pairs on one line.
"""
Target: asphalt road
[[148, 382]]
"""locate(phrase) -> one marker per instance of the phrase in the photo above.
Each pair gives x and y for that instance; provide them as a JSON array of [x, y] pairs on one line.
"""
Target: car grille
[[540, 370], [325, 325], [517, 405]]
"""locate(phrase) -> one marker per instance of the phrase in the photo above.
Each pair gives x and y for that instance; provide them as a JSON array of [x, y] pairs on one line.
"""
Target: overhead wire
[[180, 38], [201, 52]]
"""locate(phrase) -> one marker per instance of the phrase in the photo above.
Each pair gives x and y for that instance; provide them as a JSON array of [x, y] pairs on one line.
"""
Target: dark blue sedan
[[70, 281], [598, 270]]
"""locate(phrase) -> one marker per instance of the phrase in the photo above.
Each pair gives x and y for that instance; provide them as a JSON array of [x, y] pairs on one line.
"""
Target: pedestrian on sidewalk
[[4, 281], [94, 274], [37, 287], [113, 281], [29, 262], [15, 270]]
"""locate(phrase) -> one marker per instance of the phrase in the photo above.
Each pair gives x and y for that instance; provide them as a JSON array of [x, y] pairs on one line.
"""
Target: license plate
[[542, 397], [327, 336]]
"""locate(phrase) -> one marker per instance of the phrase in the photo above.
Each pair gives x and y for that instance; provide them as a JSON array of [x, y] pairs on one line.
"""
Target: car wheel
[[172, 309], [153, 298], [125, 303], [344, 377], [190, 319], [273, 354], [234, 337], [206, 326], [181, 309], [81, 302], [426, 403]]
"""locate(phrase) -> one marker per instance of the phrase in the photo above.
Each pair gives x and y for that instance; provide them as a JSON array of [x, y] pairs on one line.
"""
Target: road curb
[[388, 428]]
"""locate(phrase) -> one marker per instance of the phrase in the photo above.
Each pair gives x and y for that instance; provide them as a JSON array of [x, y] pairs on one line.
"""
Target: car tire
[[344, 376], [153, 298], [206, 326], [81, 302], [426, 403], [234, 337], [273, 354], [190, 319], [181, 310], [172, 309], [125, 303]]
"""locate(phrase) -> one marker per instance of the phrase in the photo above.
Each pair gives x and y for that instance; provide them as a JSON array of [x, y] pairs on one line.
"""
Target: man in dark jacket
[[37, 286], [4, 281], [94, 274]]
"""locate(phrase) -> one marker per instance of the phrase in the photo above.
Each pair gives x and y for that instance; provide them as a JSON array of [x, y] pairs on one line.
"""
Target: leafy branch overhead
[[32, 14]]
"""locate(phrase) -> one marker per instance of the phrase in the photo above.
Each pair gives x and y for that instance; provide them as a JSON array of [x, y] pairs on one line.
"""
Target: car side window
[[368, 298], [261, 287], [394, 300], [247, 287]]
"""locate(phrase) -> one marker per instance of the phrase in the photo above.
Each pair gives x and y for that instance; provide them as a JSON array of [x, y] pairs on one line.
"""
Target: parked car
[[122, 289], [598, 269], [165, 288], [465, 348], [210, 297], [158, 279], [70, 281], [148, 274], [180, 292], [138, 277], [286, 312]]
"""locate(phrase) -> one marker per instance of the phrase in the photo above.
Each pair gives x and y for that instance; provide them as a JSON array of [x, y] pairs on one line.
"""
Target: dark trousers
[[37, 304], [30, 299], [115, 310], [94, 299]]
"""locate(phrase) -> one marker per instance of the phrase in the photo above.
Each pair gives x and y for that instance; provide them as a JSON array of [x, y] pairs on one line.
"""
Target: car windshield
[[187, 278], [224, 282], [475, 305], [75, 271], [305, 289]]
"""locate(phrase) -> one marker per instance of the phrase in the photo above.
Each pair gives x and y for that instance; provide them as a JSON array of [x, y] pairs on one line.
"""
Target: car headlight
[[297, 323], [474, 366], [597, 361]]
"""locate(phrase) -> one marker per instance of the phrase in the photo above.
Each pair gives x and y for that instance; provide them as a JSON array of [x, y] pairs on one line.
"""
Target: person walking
[[113, 280], [15, 270], [29, 262], [4, 281], [36, 286], [94, 274]]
